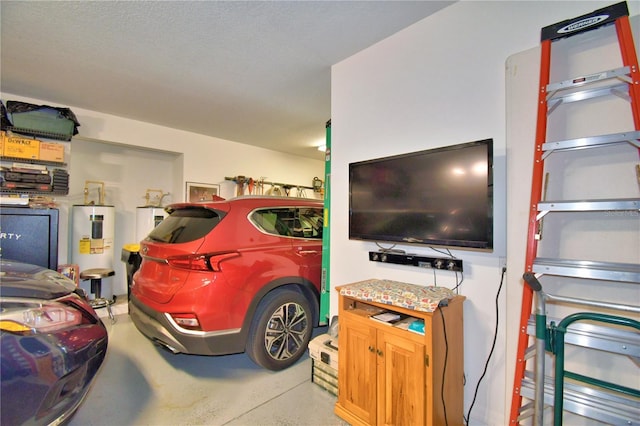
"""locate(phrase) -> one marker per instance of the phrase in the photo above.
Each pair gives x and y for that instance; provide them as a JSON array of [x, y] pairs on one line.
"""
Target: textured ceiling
[[255, 72]]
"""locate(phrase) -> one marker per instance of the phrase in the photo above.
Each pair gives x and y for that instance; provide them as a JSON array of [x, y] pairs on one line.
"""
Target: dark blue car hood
[[19, 279]]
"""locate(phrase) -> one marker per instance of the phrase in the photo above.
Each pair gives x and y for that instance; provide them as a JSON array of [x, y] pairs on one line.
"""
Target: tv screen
[[30, 235], [439, 197]]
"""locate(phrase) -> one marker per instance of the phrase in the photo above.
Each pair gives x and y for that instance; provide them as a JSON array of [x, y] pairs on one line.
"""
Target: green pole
[[325, 296]]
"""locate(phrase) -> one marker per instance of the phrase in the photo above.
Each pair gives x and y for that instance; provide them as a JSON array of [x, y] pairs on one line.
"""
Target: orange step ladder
[[529, 397]]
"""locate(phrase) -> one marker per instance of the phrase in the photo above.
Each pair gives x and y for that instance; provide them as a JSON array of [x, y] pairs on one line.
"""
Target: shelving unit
[[39, 133], [53, 168], [29, 137]]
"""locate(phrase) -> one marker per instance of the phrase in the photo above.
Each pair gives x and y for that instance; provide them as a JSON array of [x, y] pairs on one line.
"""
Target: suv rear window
[[185, 225], [304, 222]]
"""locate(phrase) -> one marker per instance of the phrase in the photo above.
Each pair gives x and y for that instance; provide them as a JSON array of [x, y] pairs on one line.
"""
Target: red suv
[[224, 277]]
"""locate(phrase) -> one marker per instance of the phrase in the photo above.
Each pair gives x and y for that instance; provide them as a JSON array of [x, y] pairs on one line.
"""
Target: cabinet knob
[[371, 348], [379, 352]]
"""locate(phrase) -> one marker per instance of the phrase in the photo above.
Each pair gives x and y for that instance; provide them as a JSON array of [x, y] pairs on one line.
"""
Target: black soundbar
[[443, 263]]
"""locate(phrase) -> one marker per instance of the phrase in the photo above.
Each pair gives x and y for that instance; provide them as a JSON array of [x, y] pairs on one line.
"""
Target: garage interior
[[162, 388], [171, 95]]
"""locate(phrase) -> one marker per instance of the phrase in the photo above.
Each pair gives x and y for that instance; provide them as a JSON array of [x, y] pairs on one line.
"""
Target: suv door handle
[[307, 252]]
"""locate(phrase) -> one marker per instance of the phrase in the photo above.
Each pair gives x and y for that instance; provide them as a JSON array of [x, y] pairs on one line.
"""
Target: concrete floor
[[141, 384]]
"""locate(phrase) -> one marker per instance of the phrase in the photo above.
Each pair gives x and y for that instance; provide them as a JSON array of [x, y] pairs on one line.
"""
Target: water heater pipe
[[100, 192]]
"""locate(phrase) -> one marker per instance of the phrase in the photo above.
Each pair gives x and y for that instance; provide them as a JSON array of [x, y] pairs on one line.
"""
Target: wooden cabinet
[[392, 376]]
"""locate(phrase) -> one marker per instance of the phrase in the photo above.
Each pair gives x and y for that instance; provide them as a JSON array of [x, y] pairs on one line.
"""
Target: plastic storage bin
[[45, 120], [40, 120]]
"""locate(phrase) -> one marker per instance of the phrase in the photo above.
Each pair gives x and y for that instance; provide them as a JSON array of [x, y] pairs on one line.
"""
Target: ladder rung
[[584, 400], [526, 411], [618, 73], [530, 352], [619, 204], [594, 141], [609, 339], [557, 98], [608, 271]]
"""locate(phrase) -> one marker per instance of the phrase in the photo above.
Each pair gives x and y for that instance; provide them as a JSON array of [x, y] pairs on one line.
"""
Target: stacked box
[[52, 151], [325, 377], [60, 181], [324, 362], [17, 147]]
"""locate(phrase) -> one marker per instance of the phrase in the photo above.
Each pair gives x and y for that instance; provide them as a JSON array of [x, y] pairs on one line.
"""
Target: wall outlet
[[502, 262]]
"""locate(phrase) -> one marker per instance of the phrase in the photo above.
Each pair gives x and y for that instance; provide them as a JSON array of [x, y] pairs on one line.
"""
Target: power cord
[[447, 252], [444, 368], [385, 248], [493, 346], [458, 283]]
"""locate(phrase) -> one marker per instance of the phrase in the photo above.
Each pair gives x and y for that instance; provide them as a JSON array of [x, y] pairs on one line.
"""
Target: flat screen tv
[[435, 197], [29, 235]]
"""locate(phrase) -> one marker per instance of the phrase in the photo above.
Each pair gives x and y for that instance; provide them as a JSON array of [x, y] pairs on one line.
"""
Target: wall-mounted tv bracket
[[443, 263]]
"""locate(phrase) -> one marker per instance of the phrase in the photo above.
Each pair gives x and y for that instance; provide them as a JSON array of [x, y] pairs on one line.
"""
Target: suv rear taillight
[[201, 262], [188, 321]]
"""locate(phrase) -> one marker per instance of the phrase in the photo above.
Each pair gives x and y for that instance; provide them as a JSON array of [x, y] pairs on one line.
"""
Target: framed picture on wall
[[199, 192]]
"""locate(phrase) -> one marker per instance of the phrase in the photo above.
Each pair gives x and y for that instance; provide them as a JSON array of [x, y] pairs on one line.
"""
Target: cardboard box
[[52, 151], [18, 147]]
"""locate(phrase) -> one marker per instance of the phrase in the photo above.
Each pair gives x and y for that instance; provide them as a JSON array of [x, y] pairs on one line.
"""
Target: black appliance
[[29, 235], [435, 197]]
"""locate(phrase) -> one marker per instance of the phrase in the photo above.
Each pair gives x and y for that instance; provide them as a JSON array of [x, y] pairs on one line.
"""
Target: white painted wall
[[442, 82], [131, 156]]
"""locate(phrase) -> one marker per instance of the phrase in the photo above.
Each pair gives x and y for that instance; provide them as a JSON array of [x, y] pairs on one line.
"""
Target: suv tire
[[280, 330]]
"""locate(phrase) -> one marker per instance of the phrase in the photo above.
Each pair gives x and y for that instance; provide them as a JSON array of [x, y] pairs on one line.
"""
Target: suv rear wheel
[[280, 330]]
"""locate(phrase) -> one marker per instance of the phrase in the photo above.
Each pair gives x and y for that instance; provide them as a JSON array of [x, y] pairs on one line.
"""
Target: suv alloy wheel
[[281, 330]]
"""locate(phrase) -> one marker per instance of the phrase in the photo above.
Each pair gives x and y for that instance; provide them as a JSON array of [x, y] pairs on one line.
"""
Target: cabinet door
[[357, 369], [401, 380]]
